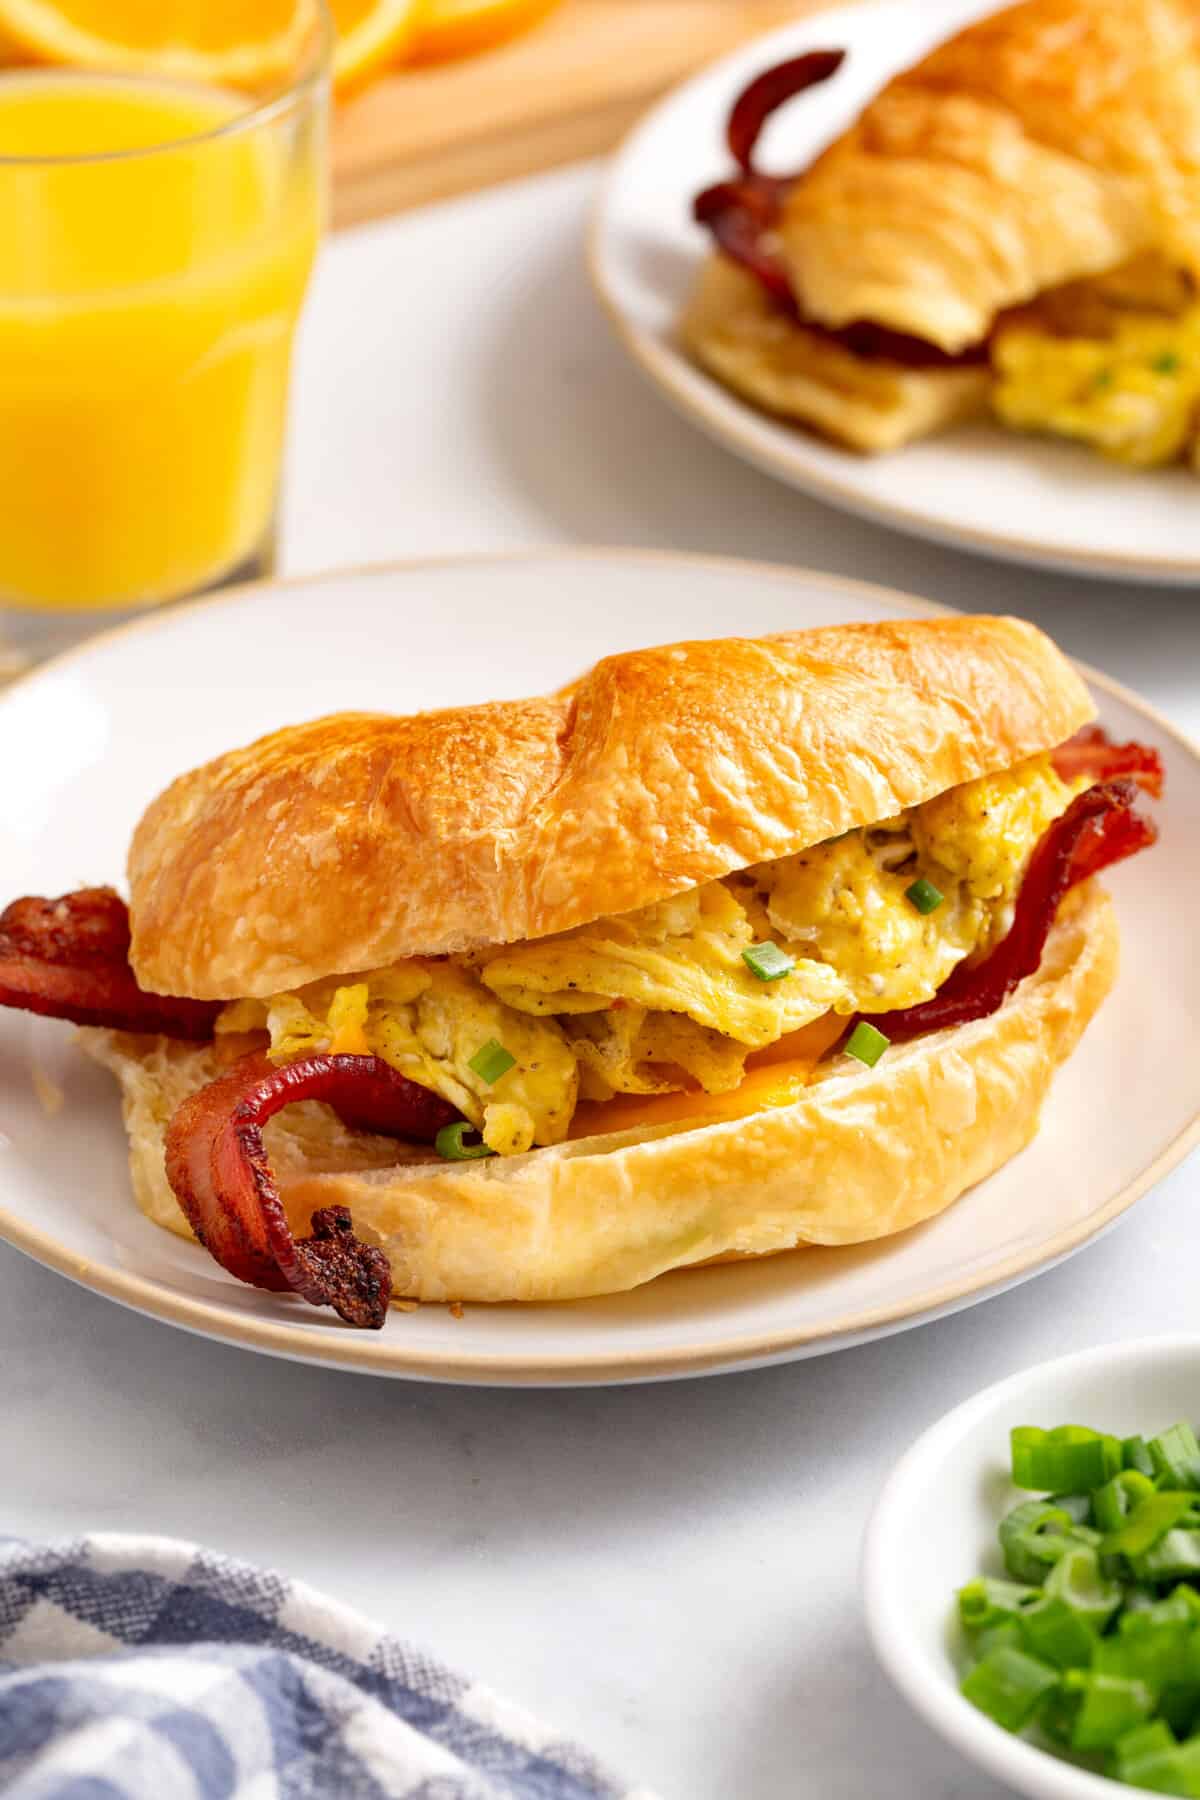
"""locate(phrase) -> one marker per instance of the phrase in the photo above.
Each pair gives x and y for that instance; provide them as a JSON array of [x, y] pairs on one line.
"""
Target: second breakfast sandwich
[[731, 946], [1013, 223]]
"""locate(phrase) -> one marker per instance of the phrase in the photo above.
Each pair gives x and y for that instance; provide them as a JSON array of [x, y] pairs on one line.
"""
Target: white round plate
[[934, 1528], [89, 740], [1029, 499]]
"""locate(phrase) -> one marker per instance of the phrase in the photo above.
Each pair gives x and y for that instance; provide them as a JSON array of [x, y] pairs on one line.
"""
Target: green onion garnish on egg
[[924, 896], [768, 961], [450, 1146], [866, 1044], [491, 1061]]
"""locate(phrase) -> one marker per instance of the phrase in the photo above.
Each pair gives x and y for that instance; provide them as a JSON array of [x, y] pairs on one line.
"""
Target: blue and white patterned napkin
[[141, 1668]]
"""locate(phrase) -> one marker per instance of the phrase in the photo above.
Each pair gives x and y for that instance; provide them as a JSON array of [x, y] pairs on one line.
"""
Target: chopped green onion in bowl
[[1090, 1642]]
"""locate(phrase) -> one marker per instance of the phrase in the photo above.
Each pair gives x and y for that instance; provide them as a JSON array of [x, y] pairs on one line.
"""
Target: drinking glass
[[156, 242]]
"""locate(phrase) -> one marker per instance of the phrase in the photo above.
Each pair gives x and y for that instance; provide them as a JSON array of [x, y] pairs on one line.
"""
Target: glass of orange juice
[[156, 240]]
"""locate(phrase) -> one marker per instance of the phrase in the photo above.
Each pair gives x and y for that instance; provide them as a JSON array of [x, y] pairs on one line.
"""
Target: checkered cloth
[[137, 1668]]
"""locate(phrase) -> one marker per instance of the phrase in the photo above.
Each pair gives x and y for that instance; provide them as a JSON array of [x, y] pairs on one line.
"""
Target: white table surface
[[668, 1572]]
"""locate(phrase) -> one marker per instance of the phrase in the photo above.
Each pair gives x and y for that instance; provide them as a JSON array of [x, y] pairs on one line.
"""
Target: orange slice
[[238, 43], [446, 29], [371, 36]]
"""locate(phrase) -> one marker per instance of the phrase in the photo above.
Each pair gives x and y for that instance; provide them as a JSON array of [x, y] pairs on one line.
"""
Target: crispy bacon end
[[742, 213], [1091, 752], [1099, 828], [741, 216], [219, 1169], [69, 959], [767, 93]]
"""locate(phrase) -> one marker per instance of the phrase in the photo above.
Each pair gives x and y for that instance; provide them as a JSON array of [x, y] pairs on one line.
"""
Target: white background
[[667, 1572]]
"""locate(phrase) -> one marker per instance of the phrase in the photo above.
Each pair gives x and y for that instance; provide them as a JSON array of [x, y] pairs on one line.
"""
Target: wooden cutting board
[[568, 89]]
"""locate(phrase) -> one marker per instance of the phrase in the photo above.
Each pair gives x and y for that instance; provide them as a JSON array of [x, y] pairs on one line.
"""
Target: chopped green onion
[[1110, 1706], [1176, 1457], [1007, 1635], [1078, 1505], [1177, 1708], [1144, 1739], [1069, 1459], [1077, 1579], [1166, 364], [1139, 1598], [1058, 1634], [491, 1061], [1156, 1651], [1008, 1685], [1174, 1771], [1135, 1454], [1033, 1536], [449, 1143], [1152, 1517], [1181, 1606], [984, 1603], [768, 961], [924, 896], [1113, 1503], [1095, 1632], [867, 1044], [1176, 1554], [1150, 1758]]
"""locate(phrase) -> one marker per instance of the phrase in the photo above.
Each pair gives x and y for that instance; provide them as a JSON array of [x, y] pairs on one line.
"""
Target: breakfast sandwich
[[729, 947], [1013, 226]]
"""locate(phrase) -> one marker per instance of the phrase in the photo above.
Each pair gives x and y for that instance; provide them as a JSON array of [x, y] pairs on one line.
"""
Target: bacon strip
[[69, 959], [742, 214], [1092, 752], [1099, 828], [767, 93], [219, 1169]]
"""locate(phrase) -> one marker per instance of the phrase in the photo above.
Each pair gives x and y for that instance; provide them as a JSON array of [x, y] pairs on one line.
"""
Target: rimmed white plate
[[89, 740], [1027, 499]]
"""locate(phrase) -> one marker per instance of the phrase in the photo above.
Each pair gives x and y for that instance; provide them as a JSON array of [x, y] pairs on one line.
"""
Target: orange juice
[[155, 246]]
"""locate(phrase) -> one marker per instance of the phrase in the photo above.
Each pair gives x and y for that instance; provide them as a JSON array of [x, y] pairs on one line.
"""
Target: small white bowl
[[934, 1528]]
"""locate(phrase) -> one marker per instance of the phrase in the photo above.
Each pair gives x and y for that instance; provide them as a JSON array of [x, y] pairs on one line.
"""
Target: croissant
[[1047, 147]]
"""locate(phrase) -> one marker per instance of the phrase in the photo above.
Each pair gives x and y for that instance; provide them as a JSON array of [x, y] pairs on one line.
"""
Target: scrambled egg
[[684, 955], [1114, 363], [661, 1000], [428, 1019]]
